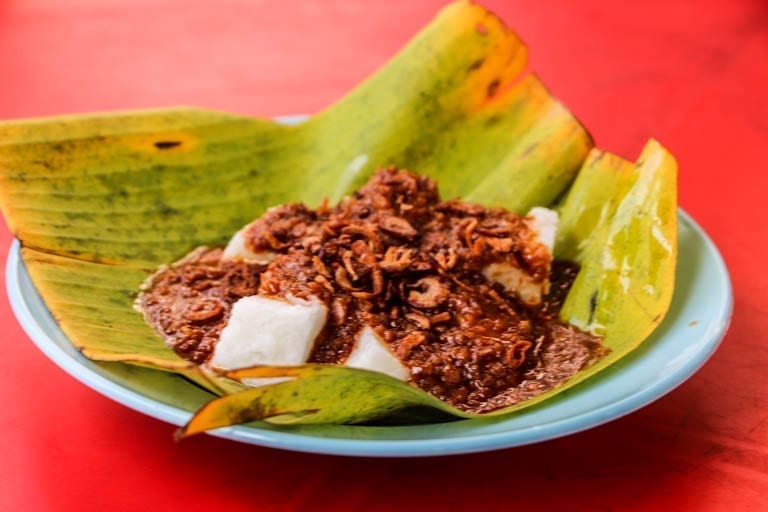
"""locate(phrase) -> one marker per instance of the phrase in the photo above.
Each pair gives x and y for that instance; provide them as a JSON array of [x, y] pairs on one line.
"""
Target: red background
[[692, 74]]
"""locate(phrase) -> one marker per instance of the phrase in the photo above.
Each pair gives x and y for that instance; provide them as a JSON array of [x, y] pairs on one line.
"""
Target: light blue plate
[[697, 321]]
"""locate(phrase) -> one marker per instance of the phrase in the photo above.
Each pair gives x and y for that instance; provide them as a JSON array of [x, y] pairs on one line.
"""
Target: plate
[[698, 318]]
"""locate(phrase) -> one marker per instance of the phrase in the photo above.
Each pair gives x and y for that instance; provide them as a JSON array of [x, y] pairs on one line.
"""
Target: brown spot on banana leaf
[[167, 144]]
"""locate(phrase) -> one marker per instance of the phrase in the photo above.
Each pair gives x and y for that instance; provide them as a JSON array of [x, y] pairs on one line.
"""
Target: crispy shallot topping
[[394, 258], [428, 293]]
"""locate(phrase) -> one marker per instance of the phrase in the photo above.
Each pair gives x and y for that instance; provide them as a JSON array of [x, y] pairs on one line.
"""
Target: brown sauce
[[396, 258]]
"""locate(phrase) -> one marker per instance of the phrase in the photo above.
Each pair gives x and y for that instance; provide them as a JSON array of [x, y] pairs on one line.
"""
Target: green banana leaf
[[626, 281], [100, 201]]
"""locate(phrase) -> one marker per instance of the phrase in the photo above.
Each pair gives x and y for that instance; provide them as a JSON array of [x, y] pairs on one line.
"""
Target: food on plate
[[100, 201], [456, 298]]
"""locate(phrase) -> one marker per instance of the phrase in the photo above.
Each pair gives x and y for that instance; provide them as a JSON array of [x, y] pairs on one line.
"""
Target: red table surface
[[692, 74]]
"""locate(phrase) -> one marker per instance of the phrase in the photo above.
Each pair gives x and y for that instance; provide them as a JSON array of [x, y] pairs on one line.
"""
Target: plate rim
[[73, 365]]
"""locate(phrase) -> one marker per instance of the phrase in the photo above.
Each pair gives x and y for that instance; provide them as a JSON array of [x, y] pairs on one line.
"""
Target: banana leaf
[[100, 201]]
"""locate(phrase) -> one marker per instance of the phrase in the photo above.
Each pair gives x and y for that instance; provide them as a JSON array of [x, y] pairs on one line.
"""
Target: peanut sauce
[[394, 257]]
